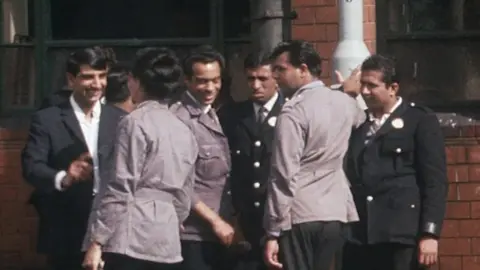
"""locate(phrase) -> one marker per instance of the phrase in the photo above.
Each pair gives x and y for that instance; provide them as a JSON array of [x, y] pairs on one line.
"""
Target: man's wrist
[[66, 182]]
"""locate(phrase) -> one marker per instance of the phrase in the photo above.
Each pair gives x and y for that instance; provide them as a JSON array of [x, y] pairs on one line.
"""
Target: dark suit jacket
[[55, 140], [249, 143], [398, 179]]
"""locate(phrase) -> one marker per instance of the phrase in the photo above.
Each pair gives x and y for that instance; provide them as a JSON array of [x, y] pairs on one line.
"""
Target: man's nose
[[256, 85]]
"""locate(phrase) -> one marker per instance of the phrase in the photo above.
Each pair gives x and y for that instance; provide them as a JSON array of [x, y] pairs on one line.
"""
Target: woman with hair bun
[[136, 218]]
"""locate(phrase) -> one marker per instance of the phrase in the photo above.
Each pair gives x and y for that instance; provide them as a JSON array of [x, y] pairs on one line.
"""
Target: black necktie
[[261, 115]]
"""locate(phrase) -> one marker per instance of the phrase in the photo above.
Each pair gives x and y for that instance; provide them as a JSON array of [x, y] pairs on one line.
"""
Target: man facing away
[[67, 146], [397, 169], [250, 133], [308, 199], [207, 232]]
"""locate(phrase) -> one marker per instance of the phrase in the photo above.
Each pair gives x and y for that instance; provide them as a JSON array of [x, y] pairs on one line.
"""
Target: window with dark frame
[[128, 19], [436, 46], [17, 54]]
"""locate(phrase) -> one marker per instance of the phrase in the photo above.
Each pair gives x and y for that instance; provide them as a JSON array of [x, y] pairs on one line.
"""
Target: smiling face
[[376, 93], [205, 82], [88, 85]]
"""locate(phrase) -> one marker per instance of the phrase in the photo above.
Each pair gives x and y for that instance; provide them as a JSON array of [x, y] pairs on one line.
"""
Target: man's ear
[[394, 87]]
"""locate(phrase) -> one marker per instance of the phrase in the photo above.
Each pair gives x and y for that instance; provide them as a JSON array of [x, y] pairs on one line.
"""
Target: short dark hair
[[158, 70], [117, 83], [300, 52], [257, 59], [93, 57], [202, 54], [385, 65]]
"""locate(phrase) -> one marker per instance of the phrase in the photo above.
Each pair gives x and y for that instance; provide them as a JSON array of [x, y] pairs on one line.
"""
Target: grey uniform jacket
[[211, 169], [307, 182], [144, 196]]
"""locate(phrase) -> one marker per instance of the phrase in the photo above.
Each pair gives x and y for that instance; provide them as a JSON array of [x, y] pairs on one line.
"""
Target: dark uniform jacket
[[398, 179], [251, 146]]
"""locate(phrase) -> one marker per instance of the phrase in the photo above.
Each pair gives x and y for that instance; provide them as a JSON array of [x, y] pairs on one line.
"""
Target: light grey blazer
[[307, 182], [145, 195]]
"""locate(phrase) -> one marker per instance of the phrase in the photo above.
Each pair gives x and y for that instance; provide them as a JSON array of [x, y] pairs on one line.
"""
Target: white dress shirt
[[89, 127], [268, 106]]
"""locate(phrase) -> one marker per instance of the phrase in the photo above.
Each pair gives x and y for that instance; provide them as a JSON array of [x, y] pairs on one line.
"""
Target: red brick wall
[[318, 23], [460, 243], [17, 218]]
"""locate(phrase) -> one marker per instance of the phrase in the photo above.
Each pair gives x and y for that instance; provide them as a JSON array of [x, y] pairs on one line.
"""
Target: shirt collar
[[205, 108], [268, 105], [386, 115], [97, 108]]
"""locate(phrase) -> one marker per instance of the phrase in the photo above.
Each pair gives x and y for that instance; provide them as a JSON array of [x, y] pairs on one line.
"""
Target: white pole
[[351, 50]]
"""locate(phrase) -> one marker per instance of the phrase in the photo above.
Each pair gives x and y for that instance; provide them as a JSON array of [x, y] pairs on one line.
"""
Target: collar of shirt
[[384, 117], [268, 105], [204, 108], [97, 108]]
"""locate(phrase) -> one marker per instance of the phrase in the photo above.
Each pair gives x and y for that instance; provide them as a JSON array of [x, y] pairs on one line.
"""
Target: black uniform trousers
[[311, 245], [205, 255], [66, 261], [122, 262], [390, 256]]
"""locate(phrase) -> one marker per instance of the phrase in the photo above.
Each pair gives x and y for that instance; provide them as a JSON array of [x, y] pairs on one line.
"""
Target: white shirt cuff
[[58, 180]]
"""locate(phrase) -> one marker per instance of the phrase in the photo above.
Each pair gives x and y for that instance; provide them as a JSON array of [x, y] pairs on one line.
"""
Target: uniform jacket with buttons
[[212, 168], [307, 182], [398, 177], [251, 148]]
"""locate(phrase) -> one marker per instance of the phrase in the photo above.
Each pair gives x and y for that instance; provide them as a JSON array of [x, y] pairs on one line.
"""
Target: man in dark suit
[[67, 146], [397, 169], [250, 127]]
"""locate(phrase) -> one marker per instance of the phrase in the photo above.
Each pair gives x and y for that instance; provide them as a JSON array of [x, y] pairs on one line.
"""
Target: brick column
[[460, 243], [318, 23]]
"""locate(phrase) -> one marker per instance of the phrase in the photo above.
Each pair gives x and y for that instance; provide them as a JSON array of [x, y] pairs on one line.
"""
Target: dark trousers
[[251, 260], [205, 256], [380, 257], [122, 262], [66, 261], [311, 245]]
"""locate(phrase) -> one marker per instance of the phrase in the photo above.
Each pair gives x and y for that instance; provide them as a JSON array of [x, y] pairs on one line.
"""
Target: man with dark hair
[[65, 151], [397, 169], [308, 199], [250, 128], [62, 95], [117, 92], [207, 231]]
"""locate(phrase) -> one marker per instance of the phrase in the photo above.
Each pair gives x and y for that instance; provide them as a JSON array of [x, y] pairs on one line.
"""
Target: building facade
[[437, 48]]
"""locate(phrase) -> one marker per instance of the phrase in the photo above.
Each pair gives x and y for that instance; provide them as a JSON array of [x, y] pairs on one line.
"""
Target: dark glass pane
[[425, 81], [430, 15], [18, 77], [57, 58], [142, 19], [236, 17]]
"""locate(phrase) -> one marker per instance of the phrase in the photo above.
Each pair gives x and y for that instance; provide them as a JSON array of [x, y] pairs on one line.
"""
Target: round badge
[[272, 121], [397, 123]]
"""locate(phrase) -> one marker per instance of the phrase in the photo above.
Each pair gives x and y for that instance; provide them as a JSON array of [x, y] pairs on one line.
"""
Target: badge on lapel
[[397, 123], [272, 121]]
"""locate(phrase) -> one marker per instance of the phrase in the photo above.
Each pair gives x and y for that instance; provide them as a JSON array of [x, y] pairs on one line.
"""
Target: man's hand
[[428, 251], [93, 258], [78, 171], [271, 254], [224, 231], [351, 85]]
